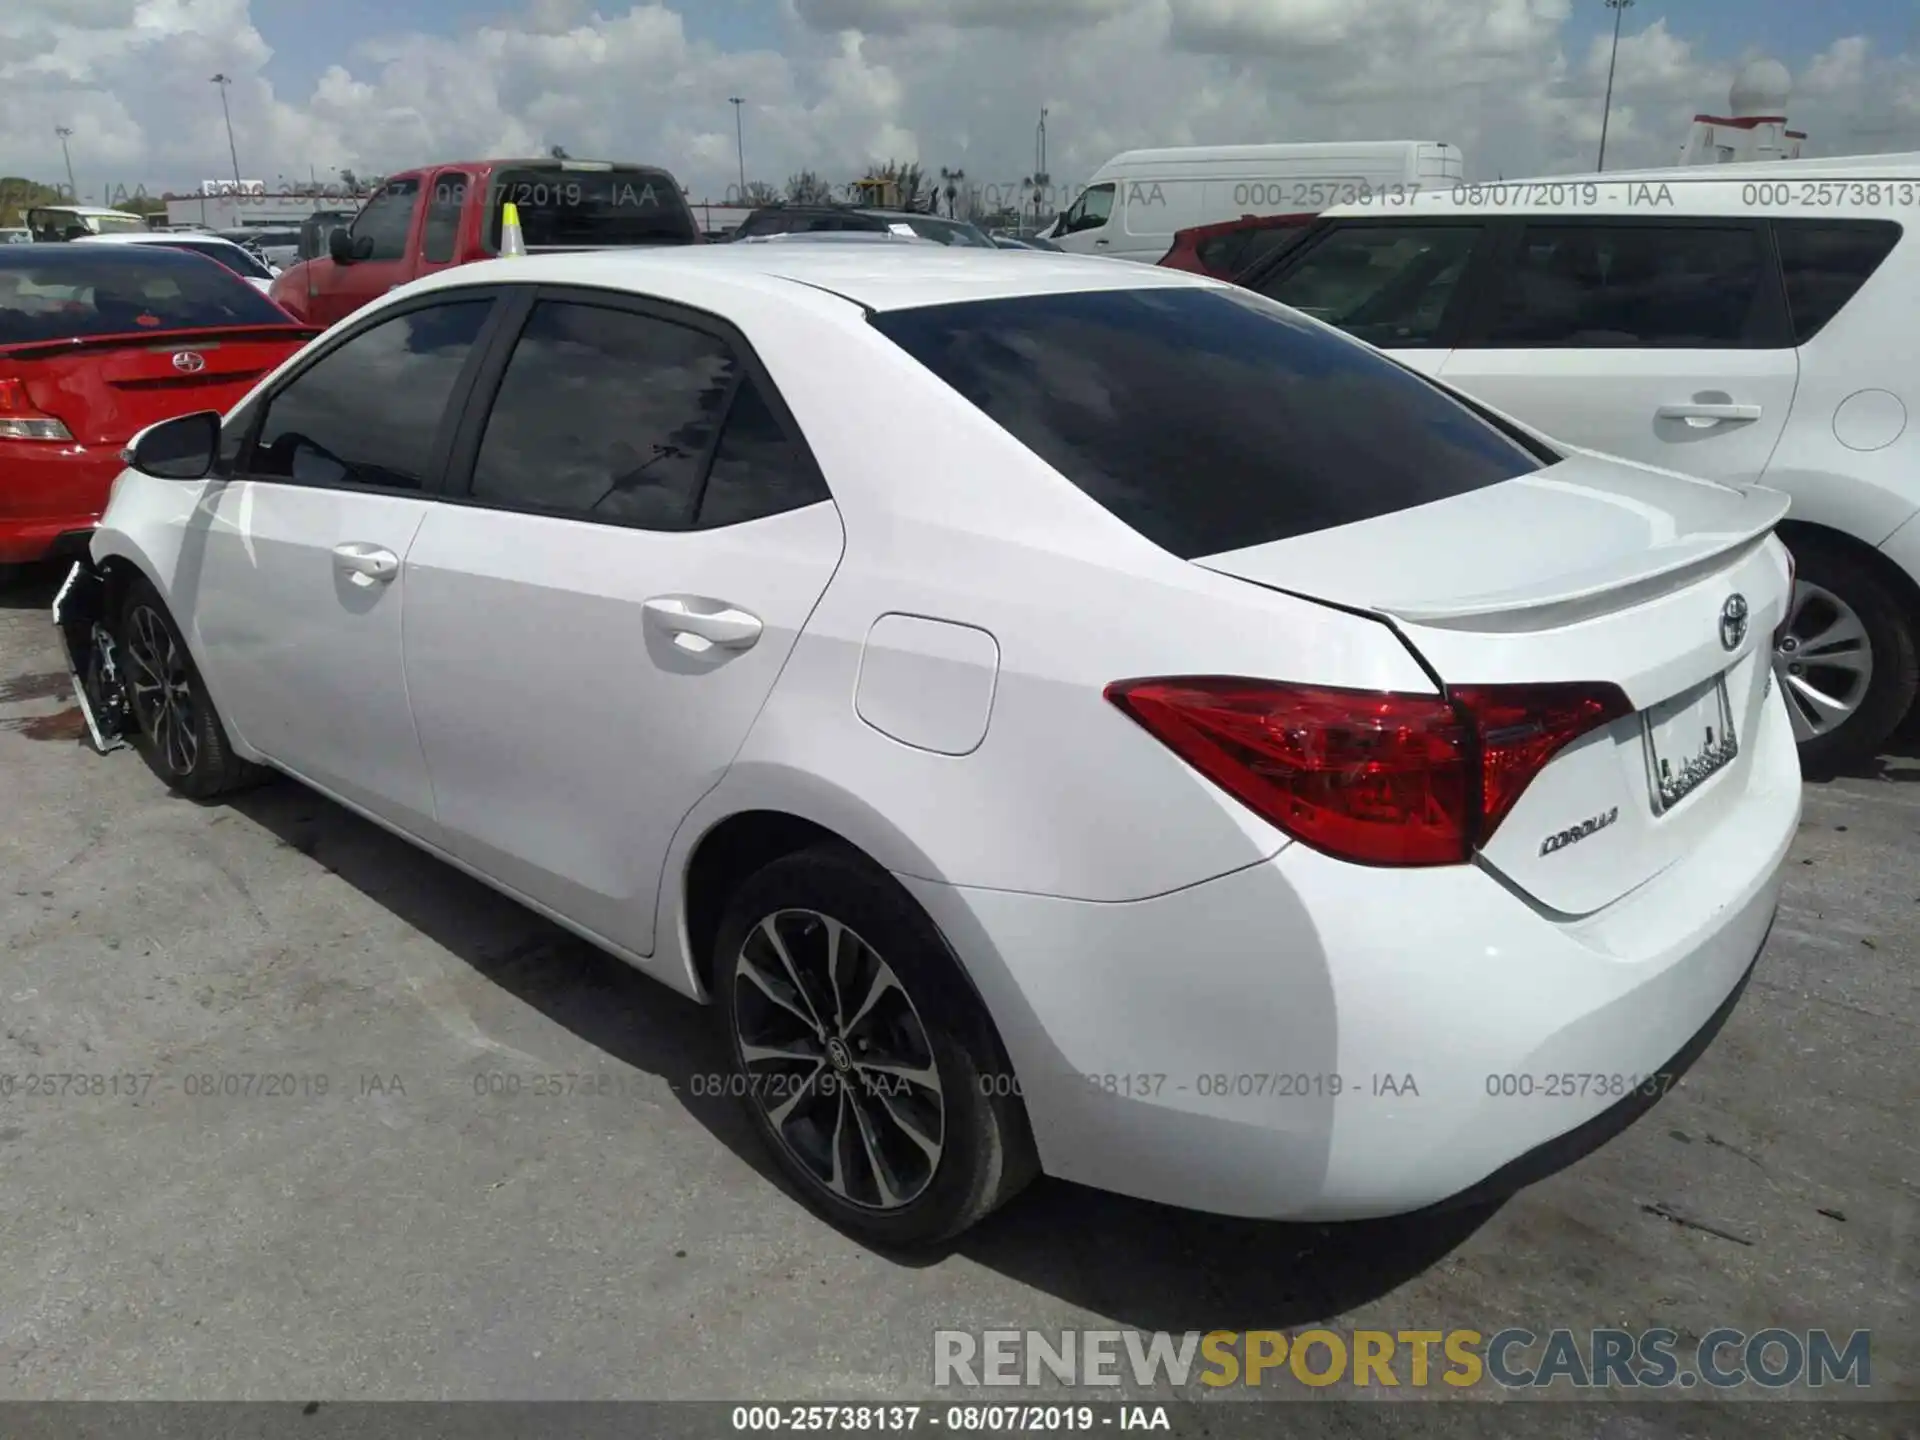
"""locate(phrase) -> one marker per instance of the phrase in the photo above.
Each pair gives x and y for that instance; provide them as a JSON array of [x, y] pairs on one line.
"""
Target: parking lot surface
[[345, 1179]]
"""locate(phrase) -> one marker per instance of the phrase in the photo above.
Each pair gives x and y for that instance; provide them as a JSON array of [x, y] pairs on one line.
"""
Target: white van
[[63, 222], [1138, 200]]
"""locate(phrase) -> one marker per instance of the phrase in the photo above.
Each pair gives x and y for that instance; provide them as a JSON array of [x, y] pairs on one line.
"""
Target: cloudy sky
[[380, 84]]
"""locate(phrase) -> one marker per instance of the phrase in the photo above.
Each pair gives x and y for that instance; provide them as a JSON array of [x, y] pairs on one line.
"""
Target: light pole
[[73, 190], [1619, 8], [223, 81], [740, 143]]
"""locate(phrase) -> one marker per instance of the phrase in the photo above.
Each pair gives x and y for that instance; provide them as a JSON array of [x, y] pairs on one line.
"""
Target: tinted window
[[1585, 286], [947, 232], [1824, 262], [606, 415], [234, 257], [368, 412], [757, 468], [625, 206], [1207, 419], [1386, 284], [387, 220], [55, 293], [444, 208]]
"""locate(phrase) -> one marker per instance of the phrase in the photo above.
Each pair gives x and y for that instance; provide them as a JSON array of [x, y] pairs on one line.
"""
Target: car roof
[[907, 278], [149, 237], [42, 252]]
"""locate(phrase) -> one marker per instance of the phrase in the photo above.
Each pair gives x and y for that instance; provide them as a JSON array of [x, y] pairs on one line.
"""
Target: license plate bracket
[[1689, 739]]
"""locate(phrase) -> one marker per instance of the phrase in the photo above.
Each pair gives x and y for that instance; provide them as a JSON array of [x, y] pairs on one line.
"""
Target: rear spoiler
[[156, 339], [1572, 598]]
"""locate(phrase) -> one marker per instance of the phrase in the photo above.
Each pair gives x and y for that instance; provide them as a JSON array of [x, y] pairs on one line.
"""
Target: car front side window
[[381, 229], [368, 412], [1386, 284]]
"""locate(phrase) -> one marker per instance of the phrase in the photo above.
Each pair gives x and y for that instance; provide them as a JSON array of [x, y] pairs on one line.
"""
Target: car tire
[[176, 728], [1837, 593], [902, 1156]]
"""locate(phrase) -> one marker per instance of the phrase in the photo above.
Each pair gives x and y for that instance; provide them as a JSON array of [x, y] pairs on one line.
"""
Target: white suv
[[1743, 323]]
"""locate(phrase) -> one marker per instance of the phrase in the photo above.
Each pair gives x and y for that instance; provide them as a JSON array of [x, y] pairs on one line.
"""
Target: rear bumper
[[1305, 1039], [51, 496]]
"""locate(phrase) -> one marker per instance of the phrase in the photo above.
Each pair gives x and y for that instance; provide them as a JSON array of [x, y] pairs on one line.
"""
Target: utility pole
[[740, 143], [1619, 8], [73, 190], [223, 81]]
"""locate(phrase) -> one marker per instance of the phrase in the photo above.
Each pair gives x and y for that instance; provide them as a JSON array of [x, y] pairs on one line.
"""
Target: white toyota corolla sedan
[[1065, 717]]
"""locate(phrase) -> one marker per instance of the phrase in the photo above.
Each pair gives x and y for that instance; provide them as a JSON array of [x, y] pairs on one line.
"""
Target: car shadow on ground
[[1144, 1265], [32, 587]]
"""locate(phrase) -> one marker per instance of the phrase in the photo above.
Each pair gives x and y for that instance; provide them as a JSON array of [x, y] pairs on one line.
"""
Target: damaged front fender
[[80, 616]]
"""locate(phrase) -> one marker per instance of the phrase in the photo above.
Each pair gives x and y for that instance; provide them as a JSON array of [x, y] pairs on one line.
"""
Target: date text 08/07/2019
[[962, 1419]]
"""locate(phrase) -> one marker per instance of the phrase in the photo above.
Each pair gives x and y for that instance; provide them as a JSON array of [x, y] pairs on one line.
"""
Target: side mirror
[[183, 448], [340, 247]]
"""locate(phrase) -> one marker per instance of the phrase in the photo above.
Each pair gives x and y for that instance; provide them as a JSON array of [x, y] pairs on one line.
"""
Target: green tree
[[807, 188], [19, 195]]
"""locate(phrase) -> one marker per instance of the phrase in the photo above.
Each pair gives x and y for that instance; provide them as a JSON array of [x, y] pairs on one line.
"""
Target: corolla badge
[[1574, 834], [1733, 622], [190, 362]]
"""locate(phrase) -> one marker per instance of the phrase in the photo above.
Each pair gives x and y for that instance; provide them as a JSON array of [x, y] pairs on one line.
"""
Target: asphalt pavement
[[388, 1210]]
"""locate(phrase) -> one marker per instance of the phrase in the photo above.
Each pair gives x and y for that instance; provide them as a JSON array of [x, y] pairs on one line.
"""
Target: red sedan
[[96, 343]]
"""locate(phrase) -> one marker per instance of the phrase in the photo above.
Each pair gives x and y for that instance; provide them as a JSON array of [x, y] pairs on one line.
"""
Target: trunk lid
[[1596, 571], [107, 388]]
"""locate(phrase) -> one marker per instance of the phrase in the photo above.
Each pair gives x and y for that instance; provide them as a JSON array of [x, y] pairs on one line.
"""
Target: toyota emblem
[[190, 362], [1733, 622]]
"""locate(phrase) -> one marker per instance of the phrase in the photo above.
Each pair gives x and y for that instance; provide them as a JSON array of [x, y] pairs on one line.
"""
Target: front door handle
[[1103, 242], [698, 625], [365, 564], [1707, 414]]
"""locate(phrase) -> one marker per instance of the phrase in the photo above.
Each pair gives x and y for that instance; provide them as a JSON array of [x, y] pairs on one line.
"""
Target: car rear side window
[[1208, 419], [758, 469], [1824, 264], [604, 415], [1386, 284], [368, 412], [1642, 286]]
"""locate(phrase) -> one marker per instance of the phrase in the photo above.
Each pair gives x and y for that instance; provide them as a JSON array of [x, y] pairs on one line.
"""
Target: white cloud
[[946, 82]]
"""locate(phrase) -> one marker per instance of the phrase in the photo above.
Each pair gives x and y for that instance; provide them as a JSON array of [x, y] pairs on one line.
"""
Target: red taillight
[[21, 419], [1373, 777], [1520, 728]]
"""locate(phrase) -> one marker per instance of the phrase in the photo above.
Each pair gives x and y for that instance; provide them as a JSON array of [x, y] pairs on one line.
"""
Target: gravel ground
[[383, 1229]]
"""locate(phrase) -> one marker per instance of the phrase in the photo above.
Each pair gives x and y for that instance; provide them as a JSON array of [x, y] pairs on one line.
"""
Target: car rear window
[[1824, 264], [1208, 419], [947, 232], [627, 205], [235, 257], [81, 290]]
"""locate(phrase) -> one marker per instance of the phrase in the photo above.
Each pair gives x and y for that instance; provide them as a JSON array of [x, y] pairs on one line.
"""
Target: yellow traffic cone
[[511, 242]]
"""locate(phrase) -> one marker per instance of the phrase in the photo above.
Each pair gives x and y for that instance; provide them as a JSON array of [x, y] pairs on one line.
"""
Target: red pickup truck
[[421, 221]]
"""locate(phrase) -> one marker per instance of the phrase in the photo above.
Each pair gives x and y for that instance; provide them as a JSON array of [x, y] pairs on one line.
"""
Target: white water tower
[[1755, 125]]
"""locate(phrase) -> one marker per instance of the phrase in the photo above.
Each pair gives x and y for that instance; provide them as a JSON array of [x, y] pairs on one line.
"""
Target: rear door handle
[[698, 624], [1708, 413], [366, 564]]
